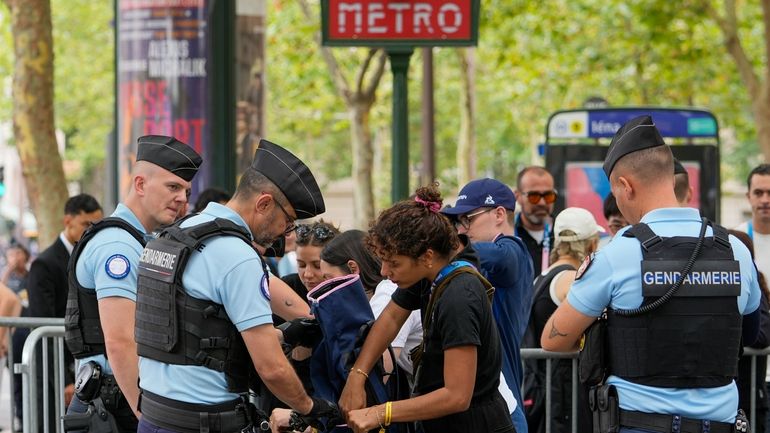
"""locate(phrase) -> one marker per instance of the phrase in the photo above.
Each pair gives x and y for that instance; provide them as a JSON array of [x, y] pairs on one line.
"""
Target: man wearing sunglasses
[[484, 213], [536, 196], [201, 384]]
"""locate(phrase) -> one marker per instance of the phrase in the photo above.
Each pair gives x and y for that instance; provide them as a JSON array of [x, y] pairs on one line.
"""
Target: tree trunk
[[359, 99], [466, 144], [363, 151], [761, 109], [33, 120], [756, 85]]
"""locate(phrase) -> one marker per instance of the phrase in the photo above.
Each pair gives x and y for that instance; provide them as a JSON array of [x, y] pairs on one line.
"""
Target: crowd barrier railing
[[46, 330], [49, 329], [550, 356]]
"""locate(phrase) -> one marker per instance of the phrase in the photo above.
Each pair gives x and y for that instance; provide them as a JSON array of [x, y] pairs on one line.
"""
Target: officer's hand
[[279, 420], [353, 394], [324, 409], [301, 332]]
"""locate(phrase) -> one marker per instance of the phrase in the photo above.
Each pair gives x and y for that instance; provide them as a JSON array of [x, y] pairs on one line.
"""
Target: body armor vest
[[693, 339], [83, 330], [175, 328]]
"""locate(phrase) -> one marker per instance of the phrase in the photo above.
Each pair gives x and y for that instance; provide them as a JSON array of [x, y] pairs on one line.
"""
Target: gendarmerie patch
[[585, 265]]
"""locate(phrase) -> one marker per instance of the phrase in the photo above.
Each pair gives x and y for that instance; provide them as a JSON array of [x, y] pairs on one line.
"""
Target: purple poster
[[163, 55]]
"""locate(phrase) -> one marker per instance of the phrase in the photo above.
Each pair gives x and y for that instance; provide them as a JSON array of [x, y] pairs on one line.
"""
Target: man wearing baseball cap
[[484, 212]]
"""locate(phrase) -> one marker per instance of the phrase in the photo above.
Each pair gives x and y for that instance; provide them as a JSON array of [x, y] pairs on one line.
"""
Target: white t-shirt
[[761, 259], [410, 334]]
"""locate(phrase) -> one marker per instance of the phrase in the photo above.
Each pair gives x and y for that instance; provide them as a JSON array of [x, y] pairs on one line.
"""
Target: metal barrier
[[46, 329], [550, 356]]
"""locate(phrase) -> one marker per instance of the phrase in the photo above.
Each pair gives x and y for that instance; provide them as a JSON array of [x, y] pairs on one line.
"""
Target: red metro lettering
[[378, 19]]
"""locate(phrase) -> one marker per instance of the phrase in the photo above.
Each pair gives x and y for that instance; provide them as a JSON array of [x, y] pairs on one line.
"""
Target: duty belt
[[193, 418], [672, 423]]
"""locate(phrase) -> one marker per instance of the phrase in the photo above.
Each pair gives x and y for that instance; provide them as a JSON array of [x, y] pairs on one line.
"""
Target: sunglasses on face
[[319, 232], [534, 196]]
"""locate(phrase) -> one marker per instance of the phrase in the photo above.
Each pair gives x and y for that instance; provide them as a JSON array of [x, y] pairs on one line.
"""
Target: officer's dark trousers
[[123, 414], [488, 415], [147, 427]]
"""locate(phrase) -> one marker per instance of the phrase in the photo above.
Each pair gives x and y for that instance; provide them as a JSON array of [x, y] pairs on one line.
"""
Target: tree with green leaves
[[754, 73], [33, 115], [359, 98]]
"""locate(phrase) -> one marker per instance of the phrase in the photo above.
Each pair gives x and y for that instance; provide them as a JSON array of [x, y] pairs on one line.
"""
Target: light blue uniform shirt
[[228, 272], [614, 279], [108, 264]]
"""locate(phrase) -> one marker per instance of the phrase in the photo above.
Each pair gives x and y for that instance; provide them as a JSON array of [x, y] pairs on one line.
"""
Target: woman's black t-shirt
[[462, 317]]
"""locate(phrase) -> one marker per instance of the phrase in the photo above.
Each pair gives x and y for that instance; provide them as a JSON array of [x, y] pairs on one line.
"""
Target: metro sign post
[[398, 27]]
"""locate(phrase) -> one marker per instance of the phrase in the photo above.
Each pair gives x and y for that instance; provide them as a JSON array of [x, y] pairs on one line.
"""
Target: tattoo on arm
[[288, 302], [555, 332]]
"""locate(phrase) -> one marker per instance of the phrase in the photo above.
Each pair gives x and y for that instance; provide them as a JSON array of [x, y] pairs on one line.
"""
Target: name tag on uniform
[[160, 259], [708, 278]]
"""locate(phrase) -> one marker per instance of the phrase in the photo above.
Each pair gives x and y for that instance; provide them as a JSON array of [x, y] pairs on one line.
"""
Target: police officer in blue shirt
[[203, 306], [676, 290], [103, 274], [484, 213]]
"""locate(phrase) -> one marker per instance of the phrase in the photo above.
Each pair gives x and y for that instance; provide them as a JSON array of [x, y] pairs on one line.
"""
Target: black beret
[[169, 153], [291, 176], [678, 167], [637, 134]]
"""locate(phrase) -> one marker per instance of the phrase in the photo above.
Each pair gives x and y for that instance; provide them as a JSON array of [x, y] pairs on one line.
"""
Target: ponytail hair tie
[[433, 206]]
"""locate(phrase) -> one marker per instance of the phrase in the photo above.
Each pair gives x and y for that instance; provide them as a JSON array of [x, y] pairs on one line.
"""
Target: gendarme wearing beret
[[291, 176], [637, 134], [170, 154]]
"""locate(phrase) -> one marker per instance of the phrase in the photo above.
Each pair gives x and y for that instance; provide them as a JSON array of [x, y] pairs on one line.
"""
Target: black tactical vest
[[175, 328], [693, 339], [83, 330]]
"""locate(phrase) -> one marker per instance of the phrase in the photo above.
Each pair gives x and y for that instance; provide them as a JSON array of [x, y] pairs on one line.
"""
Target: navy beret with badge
[[291, 176], [170, 154], [637, 134]]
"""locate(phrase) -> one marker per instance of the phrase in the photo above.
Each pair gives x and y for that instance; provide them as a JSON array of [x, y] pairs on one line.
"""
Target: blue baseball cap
[[482, 193]]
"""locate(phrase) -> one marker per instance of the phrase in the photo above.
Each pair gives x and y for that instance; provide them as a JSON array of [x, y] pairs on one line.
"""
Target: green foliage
[[83, 76], [533, 58]]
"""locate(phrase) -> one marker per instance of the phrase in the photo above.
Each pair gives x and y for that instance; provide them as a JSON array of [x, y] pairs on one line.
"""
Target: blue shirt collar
[[217, 210], [125, 213], [671, 214]]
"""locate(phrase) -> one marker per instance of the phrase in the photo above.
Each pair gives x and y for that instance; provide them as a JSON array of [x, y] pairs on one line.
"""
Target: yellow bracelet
[[359, 371], [388, 413]]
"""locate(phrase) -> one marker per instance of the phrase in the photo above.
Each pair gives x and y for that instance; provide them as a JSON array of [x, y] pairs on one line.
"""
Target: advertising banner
[[162, 74]]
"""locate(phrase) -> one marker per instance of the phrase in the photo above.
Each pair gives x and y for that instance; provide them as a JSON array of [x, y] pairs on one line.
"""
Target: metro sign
[[400, 23]]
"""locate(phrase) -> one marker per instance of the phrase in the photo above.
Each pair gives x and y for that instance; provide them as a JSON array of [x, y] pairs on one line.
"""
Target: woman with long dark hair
[[457, 367], [347, 254]]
